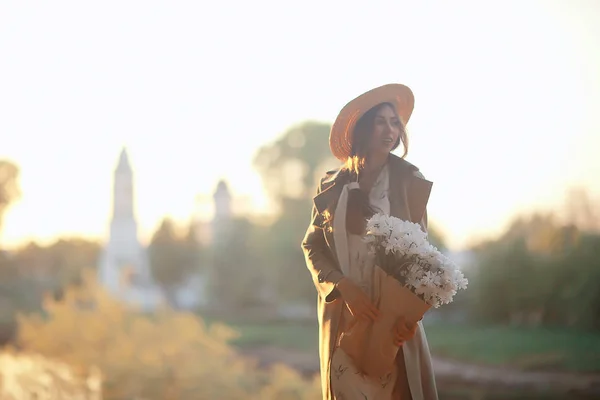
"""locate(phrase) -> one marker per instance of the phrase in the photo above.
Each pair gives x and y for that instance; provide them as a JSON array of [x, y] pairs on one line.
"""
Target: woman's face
[[386, 131]]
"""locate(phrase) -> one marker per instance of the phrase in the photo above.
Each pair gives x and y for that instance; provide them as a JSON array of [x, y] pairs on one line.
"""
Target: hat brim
[[340, 137]]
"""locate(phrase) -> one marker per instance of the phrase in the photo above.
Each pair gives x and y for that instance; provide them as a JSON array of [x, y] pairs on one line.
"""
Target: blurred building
[[209, 232], [124, 268], [214, 234]]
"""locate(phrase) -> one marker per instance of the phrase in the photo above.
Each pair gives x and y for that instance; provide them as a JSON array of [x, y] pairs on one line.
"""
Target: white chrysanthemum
[[413, 281], [445, 297], [431, 280], [427, 271], [379, 225]]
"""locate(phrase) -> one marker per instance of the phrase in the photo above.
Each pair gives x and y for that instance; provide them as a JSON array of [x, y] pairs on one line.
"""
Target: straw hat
[[340, 137]]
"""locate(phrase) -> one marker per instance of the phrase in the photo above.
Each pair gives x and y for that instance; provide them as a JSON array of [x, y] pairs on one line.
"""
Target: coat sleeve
[[319, 261]]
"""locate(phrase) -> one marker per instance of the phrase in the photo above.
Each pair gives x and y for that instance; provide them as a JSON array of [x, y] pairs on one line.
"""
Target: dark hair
[[359, 208]]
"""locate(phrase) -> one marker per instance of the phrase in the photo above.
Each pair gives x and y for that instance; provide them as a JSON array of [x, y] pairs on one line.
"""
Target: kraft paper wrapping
[[371, 344]]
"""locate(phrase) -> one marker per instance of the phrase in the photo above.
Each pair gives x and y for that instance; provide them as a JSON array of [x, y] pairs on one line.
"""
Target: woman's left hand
[[403, 331]]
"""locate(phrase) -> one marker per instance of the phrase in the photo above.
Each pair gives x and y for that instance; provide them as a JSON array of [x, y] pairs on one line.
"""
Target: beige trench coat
[[409, 194]]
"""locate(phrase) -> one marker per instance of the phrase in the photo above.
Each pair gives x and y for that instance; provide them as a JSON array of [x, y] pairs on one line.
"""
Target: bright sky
[[506, 115]]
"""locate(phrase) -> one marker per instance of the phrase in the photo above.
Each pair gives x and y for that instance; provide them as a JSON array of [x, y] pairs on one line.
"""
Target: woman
[[371, 180]]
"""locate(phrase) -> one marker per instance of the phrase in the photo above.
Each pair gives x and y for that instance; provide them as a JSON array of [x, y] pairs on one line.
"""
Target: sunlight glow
[[505, 118]]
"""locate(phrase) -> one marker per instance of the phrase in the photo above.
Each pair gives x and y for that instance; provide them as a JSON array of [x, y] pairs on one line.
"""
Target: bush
[[25, 376], [167, 355]]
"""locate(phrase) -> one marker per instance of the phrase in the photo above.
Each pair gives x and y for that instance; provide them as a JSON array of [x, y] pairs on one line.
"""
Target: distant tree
[[539, 272], [289, 166], [32, 271], [70, 256], [9, 187], [236, 278], [285, 258], [60, 262], [173, 255], [582, 211]]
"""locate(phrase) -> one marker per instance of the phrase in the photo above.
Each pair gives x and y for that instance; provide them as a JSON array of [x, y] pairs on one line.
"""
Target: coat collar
[[409, 191]]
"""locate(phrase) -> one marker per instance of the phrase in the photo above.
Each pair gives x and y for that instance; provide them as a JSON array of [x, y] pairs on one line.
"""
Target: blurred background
[[158, 162]]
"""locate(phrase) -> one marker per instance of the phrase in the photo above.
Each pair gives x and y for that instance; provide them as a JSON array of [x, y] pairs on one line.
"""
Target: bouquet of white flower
[[402, 251], [411, 276]]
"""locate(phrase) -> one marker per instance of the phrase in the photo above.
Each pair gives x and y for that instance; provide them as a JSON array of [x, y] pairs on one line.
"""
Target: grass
[[526, 348], [296, 335]]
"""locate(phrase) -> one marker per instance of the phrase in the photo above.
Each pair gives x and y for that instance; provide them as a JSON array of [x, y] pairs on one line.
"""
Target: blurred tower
[[220, 232], [124, 262], [221, 223], [222, 201], [123, 226]]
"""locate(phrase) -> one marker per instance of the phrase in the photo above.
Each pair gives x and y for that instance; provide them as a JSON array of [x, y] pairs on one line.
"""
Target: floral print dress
[[346, 382]]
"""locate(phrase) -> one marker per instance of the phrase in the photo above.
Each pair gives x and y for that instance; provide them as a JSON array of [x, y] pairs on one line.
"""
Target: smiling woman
[[372, 180], [376, 134]]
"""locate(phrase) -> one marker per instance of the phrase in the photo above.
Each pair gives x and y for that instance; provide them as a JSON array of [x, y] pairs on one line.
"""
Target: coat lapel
[[331, 187], [325, 203], [409, 193]]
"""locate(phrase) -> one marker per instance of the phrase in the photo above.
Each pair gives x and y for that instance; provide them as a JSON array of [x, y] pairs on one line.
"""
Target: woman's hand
[[403, 331], [356, 299]]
